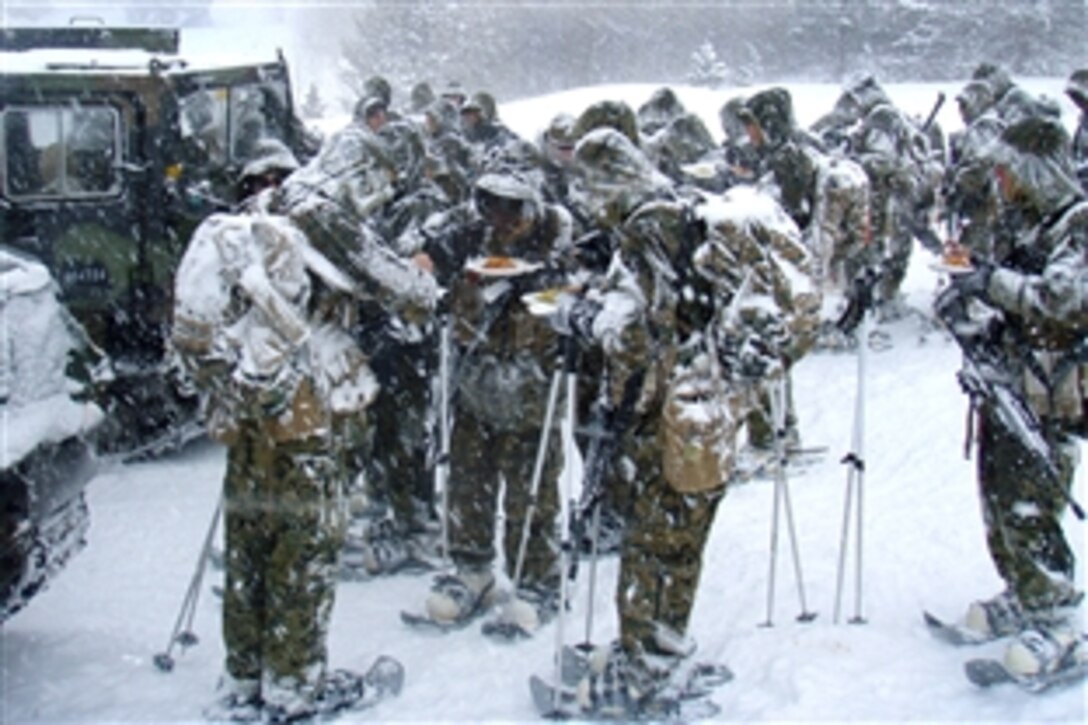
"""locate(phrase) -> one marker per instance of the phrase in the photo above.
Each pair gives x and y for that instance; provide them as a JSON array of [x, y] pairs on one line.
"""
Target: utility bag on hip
[[698, 428]]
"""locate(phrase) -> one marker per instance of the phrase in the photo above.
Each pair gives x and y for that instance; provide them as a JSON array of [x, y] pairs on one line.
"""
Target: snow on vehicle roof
[[201, 49]]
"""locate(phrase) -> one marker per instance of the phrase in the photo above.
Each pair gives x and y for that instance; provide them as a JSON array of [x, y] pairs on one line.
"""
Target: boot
[[286, 700], [457, 599], [616, 686], [522, 614], [237, 700], [1044, 650], [999, 616]]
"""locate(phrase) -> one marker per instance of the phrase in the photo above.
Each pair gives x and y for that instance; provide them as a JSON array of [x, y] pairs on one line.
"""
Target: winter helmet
[[406, 150], [270, 163], [1077, 88], [454, 93], [974, 100], [1017, 105], [484, 103], [422, 95], [504, 192], [684, 140], [368, 106], [613, 176], [1035, 151], [442, 114], [608, 114], [996, 77], [379, 87], [772, 109], [729, 117], [560, 129], [861, 96], [657, 112], [269, 154]]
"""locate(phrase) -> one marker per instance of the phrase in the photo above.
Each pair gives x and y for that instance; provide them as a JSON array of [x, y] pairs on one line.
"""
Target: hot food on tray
[[499, 263]]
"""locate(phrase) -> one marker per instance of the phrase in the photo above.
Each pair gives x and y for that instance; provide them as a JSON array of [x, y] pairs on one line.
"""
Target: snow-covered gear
[[661, 109], [1038, 660], [1043, 650], [457, 599], [616, 115], [235, 701], [675, 288], [609, 683], [523, 612], [998, 616], [341, 691], [1039, 297]]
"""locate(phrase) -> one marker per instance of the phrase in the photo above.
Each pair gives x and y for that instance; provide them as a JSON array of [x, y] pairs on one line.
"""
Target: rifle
[[933, 113], [986, 378]]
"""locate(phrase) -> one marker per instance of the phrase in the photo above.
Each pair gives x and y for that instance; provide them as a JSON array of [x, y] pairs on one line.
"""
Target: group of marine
[[380, 337]]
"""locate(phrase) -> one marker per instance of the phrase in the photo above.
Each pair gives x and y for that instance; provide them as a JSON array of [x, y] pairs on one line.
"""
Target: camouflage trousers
[[397, 470], [841, 230], [283, 524], [1023, 516], [662, 554], [481, 457]]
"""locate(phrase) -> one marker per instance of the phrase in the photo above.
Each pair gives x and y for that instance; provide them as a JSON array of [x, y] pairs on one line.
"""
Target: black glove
[[976, 282]]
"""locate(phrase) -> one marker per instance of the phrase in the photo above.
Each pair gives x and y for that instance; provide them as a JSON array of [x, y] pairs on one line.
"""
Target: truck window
[[257, 111], [60, 151], [204, 123]]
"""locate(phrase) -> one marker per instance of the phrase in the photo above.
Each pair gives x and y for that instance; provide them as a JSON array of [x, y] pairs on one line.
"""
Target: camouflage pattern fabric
[[662, 553], [1043, 295], [283, 531], [397, 468], [885, 151], [1023, 517], [503, 361], [482, 457], [841, 233]]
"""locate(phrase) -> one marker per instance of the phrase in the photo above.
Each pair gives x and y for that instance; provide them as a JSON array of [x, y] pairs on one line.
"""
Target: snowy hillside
[[82, 651]]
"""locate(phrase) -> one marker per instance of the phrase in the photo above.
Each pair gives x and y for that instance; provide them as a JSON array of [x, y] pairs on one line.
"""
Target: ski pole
[[186, 638], [442, 463], [782, 502], [778, 408], [855, 460], [567, 507], [538, 473], [595, 537]]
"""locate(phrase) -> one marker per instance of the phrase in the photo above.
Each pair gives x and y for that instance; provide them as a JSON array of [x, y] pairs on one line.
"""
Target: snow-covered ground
[[82, 651]]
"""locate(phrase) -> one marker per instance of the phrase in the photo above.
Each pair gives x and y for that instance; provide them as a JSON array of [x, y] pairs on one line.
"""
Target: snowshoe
[[237, 701], [985, 620], [552, 702], [521, 615], [454, 601], [618, 685], [953, 633], [383, 550], [1036, 661], [341, 691]]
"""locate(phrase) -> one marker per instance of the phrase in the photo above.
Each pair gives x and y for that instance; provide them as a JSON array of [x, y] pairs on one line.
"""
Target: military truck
[[113, 147]]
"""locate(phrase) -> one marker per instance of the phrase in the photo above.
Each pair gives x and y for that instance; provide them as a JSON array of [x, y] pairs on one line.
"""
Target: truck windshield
[[60, 151]]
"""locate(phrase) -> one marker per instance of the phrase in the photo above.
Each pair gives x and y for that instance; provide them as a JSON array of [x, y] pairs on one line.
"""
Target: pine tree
[[706, 69]]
